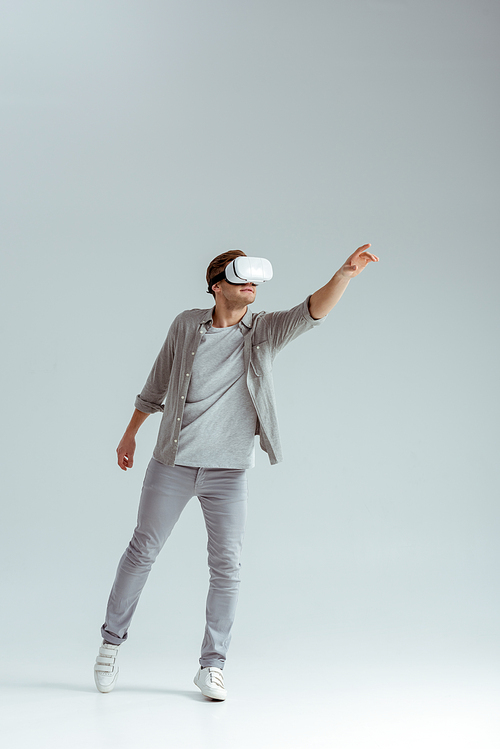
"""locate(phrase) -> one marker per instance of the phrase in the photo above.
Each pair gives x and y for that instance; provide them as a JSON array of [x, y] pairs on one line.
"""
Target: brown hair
[[219, 263]]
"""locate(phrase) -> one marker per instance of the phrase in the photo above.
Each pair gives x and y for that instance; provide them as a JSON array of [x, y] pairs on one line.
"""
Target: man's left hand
[[357, 262]]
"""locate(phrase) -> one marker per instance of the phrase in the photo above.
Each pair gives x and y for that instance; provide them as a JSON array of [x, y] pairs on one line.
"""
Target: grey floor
[[51, 701]]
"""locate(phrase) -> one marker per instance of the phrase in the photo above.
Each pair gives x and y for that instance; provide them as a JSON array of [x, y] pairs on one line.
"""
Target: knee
[[142, 551], [225, 569]]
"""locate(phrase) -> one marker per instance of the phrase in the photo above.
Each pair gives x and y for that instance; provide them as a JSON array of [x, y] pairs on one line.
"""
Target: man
[[214, 372]]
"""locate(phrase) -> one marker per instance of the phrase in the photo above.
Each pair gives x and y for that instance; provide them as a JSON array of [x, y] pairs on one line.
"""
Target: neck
[[224, 315]]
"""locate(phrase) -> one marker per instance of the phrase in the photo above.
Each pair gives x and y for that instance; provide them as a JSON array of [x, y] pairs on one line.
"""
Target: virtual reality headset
[[245, 270]]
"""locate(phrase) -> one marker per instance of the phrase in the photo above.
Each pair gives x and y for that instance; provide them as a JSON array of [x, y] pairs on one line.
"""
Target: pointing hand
[[357, 262]]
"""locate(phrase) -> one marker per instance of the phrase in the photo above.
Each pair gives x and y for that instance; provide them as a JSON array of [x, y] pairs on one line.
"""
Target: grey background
[[140, 140]]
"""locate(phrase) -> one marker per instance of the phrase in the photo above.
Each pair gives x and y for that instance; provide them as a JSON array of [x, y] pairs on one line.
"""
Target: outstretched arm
[[325, 299]]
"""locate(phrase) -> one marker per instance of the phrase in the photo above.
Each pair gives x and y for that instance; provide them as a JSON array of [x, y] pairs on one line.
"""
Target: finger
[[358, 252], [128, 460]]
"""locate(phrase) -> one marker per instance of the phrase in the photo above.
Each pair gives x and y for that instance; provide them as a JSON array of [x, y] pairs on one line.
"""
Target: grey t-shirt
[[219, 420], [265, 334]]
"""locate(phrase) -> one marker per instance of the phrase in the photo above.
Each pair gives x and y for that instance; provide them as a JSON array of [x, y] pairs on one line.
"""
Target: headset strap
[[220, 277]]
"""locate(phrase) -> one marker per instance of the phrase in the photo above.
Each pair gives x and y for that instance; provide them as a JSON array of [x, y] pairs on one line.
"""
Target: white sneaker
[[105, 669], [211, 682]]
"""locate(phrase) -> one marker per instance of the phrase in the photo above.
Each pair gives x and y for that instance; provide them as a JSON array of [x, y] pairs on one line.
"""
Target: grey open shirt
[[265, 335]]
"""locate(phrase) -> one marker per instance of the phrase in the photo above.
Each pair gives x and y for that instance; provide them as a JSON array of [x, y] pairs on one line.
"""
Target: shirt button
[[192, 353], [178, 418], [175, 440], [257, 347], [187, 375], [182, 396]]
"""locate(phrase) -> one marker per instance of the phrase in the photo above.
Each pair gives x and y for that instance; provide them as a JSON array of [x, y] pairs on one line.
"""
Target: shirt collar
[[208, 317]]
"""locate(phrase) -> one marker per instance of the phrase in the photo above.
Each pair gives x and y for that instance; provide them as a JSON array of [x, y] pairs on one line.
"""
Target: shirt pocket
[[260, 359]]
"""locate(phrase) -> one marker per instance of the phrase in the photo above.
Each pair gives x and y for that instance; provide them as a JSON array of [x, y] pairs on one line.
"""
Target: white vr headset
[[245, 270]]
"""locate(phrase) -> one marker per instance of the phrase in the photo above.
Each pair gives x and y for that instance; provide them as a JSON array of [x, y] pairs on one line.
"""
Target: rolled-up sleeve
[[286, 325], [150, 399], [147, 407]]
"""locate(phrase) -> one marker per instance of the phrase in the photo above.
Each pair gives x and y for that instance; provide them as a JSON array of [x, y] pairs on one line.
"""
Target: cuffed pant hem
[[212, 664], [111, 637]]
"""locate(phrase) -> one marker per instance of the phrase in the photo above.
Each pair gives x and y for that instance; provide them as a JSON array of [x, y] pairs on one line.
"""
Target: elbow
[[315, 312]]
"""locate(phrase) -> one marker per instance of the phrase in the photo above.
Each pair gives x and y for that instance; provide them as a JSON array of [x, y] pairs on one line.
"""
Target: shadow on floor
[[90, 689]]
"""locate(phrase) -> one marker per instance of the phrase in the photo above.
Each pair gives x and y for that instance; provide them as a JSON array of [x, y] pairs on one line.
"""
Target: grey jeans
[[222, 493]]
